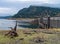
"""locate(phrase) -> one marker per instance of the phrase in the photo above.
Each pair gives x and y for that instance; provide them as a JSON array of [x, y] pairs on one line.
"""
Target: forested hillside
[[37, 11]]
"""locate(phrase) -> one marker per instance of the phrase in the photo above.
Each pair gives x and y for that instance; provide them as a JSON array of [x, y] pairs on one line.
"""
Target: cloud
[[25, 3], [15, 0], [26, 0], [12, 6], [42, 1], [7, 10]]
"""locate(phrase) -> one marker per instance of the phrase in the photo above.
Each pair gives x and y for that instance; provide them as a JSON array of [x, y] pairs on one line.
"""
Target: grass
[[48, 36]]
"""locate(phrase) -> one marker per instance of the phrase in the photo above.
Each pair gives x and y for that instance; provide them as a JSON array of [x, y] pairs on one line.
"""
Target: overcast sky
[[11, 7]]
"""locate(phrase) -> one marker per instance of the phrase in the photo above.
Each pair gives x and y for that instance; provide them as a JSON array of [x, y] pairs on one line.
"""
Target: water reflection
[[5, 24]]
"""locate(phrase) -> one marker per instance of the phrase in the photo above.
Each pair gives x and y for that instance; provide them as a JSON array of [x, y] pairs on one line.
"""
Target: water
[[5, 24]]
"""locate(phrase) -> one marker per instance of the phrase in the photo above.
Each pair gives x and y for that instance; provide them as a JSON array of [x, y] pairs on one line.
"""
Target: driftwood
[[12, 33]]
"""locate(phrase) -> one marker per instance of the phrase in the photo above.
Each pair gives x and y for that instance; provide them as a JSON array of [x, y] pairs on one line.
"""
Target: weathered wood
[[48, 22], [15, 28], [12, 33]]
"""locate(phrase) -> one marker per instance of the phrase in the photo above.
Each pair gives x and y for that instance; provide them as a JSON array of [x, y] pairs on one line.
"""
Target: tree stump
[[12, 33]]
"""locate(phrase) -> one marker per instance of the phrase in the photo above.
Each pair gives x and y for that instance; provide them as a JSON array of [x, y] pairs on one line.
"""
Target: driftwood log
[[12, 33]]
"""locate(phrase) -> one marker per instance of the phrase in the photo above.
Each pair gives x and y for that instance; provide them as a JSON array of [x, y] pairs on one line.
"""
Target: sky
[[11, 7]]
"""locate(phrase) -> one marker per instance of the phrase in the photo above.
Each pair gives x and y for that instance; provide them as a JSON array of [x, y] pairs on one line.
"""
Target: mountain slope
[[37, 11]]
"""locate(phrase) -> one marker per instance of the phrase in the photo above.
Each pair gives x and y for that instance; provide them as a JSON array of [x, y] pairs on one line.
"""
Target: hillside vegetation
[[37, 11]]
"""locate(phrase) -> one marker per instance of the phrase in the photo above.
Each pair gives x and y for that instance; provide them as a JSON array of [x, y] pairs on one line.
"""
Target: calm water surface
[[5, 24]]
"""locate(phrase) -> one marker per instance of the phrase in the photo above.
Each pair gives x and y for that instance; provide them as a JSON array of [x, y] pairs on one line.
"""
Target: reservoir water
[[5, 24]]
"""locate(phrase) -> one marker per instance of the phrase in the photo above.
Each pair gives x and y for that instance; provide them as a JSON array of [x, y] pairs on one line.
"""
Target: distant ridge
[[5, 17], [37, 11]]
